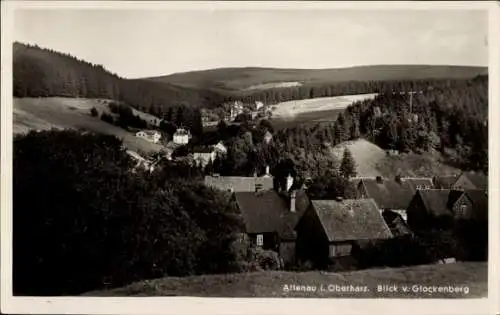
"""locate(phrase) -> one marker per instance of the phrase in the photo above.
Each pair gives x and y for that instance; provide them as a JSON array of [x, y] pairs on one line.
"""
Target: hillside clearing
[[293, 108], [367, 156], [371, 160], [271, 283], [272, 85], [65, 113]]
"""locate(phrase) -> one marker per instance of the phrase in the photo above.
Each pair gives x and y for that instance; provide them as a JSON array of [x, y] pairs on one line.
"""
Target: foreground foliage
[[83, 221]]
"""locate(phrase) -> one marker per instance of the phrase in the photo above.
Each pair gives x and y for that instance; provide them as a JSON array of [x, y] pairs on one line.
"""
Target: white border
[[172, 305]]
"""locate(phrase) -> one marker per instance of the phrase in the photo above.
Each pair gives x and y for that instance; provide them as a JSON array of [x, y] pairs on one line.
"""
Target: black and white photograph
[[286, 151]]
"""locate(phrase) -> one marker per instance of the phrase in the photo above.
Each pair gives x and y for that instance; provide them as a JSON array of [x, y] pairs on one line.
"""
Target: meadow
[[472, 275], [319, 104], [72, 113]]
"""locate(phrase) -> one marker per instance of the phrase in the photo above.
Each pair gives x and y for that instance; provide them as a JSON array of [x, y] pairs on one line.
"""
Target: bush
[[93, 112], [265, 259], [82, 220]]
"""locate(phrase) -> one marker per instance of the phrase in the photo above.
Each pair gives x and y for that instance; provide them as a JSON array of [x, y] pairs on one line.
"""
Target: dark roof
[[479, 198], [415, 183], [437, 201], [239, 184], [445, 182], [388, 194], [203, 149], [396, 223], [351, 219], [267, 211], [480, 180]]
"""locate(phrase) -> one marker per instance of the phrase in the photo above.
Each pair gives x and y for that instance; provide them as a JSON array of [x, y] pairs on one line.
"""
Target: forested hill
[[252, 79], [42, 72]]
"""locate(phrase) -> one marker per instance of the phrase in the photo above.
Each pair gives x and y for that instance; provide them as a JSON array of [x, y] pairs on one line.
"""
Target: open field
[[471, 275], [321, 104], [65, 113], [277, 85]]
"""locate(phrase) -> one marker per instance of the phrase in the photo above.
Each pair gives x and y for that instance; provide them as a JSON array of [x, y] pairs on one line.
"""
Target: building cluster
[[254, 110], [278, 214]]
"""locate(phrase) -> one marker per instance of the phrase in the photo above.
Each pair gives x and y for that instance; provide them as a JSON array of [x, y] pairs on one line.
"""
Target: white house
[[236, 109], [203, 155], [220, 148], [181, 136], [268, 137], [149, 135]]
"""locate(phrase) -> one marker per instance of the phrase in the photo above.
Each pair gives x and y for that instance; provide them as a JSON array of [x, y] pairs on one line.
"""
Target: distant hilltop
[[251, 78]]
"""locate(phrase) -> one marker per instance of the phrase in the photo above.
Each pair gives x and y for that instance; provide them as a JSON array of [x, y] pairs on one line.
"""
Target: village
[[279, 216]]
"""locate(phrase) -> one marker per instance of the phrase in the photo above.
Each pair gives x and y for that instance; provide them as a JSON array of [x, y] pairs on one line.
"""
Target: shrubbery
[[82, 221]]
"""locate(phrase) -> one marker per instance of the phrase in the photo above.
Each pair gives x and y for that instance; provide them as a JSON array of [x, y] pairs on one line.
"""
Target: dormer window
[[260, 240], [462, 210]]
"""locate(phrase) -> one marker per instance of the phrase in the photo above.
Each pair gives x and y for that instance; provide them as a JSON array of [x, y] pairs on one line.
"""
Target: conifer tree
[[348, 166]]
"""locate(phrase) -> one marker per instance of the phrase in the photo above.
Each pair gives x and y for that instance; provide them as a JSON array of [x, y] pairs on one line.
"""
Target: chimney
[[293, 196], [339, 198], [398, 179], [380, 180], [289, 182]]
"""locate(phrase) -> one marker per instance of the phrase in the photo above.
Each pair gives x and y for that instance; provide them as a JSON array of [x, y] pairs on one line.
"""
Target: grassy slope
[[293, 108], [371, 160], [270, 283], [57, 112], [242, 78]]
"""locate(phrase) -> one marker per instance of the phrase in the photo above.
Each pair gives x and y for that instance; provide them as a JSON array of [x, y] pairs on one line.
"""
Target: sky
[[146, 43]]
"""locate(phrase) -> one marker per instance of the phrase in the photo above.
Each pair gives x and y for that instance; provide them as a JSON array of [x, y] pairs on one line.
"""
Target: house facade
[[149, 135], [220, 148], [181, 136], [329, 230], [442, 208], [270, 217], [203, 156]]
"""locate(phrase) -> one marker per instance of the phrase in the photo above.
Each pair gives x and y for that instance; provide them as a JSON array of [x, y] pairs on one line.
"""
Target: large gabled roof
[[239, 183], [388, 194], [351, 219], [268, 211]]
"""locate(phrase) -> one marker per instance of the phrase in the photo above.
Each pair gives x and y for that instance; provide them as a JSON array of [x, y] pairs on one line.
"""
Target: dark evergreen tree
[[348, 165]]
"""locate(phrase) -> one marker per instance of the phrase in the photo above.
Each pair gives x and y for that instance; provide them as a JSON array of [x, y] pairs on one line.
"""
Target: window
[[462, 210], [260, 240]]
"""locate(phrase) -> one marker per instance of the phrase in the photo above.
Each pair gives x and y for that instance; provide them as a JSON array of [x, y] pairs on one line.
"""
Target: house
[[149, 135], [236, 109], [258, 105], [181, 136], [471, 181], [241, 183], [146, 164], [441, 208], [203, 155], [465, 180], [220, 148], [268, 137], [330, 229], [392, 195], [270, 218]]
